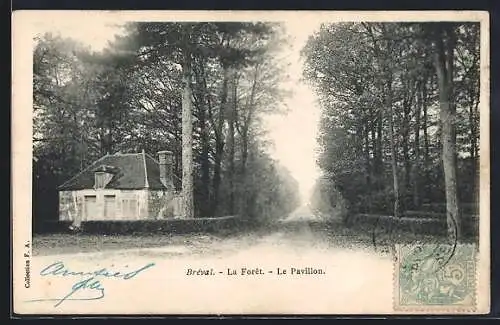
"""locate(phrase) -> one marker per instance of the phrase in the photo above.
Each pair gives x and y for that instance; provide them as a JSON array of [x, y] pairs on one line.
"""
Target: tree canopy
[[130, 97], [399, 111]]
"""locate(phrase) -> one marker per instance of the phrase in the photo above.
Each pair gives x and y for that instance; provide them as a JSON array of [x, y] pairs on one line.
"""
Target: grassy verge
[[50, 244]]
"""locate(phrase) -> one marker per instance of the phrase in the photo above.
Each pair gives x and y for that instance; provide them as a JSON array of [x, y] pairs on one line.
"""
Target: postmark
[[435, 277]]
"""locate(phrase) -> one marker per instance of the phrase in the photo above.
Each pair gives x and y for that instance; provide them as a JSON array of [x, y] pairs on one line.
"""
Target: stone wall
[[70, 205], [163, 205]]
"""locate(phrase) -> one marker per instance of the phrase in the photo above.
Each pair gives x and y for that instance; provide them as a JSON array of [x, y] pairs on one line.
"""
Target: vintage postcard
[[219, 162]]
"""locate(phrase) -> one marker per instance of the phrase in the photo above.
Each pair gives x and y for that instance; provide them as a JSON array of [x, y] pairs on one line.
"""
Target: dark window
[[102, 179], [90, 205], [129, 208], [109, 206]]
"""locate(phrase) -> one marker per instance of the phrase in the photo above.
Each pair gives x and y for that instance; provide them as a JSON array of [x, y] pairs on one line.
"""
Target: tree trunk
[[379, 159], [204, 164], [416, 147], [394, 166], [373, 139], [187, 139], [472, 126], [368, 168], [219, 151], [102, 141], [425, 127], [250, 109], [443, 60], [178, 161], [109, 141], [476, 127], [406, 135], [244, 152], [203, 105], [219, 144], [426, 156], [231, 142]]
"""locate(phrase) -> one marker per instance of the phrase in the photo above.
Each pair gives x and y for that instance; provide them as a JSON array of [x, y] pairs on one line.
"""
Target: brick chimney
[[165, 158]]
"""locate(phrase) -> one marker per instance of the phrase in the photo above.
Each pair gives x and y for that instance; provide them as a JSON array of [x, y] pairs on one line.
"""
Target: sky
[[294, 134]]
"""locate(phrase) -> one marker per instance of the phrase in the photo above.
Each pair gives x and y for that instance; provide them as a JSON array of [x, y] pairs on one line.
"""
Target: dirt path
[[300, 231], [346, 279]]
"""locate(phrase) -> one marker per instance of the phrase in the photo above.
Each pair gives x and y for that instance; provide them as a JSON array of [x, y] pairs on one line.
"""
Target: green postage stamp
[[435, 277]]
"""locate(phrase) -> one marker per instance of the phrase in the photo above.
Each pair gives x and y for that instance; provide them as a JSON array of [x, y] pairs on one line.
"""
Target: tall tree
[[187, 124], [444, 39], [397, 104], [162, 85]]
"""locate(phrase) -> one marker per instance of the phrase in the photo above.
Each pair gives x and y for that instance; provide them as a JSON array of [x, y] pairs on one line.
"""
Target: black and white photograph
[[251, 162]]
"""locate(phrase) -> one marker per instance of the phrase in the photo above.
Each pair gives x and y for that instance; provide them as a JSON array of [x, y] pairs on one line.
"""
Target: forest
[[399, 124], [200, 90], [399, 117]]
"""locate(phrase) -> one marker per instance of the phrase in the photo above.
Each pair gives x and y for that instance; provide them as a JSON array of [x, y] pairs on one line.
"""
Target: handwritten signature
[[90, 282]]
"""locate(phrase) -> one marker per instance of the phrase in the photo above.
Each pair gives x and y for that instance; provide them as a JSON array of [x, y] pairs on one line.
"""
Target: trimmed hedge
[[467, 208], [54, 227], [422, 223], [424, 214], [176, 226]]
